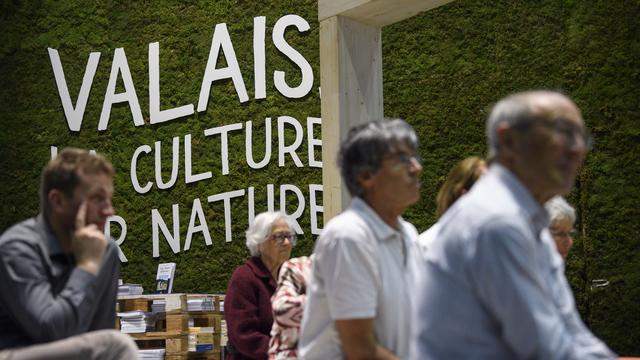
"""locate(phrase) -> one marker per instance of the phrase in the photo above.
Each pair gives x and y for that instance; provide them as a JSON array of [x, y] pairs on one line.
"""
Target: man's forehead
[[401, 147], [92, 181], [555, 106]]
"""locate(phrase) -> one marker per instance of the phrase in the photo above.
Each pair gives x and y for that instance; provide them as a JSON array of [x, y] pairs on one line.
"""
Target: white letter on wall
[[157, 115], [252, 208], [120, 65], [224, 142], [294, 216], [134, 171], [221, 39], [259, 68], [312, 142], [248, 144], [188, 176], [226, 197], [158, 222], [291, 149], [314, 208], [123, 234], [196, 210], [74, 115], [174, 164], [280, 43]]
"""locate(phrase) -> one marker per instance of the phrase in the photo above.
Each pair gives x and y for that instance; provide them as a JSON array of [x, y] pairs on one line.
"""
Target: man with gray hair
[[365, 260], [493, 284], [58, 272]]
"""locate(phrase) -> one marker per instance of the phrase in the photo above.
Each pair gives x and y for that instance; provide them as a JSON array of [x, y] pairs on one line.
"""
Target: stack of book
[[152, 354], [136, 322], [158, 305], [200, 304], [223, 333], [130, 289], [201, 339]]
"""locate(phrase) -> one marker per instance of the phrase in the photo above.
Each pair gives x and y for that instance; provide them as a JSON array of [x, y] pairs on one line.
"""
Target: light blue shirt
[[494, 285]]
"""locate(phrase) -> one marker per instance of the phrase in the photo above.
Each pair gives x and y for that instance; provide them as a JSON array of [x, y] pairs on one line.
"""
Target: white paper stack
[[200, 304], [136, 322], [152, 354], [223, 333], [130, 289], [158, 305]]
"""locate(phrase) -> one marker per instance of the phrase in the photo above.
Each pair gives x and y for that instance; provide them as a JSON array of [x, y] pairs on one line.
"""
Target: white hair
[[559, 209], [260, 229]]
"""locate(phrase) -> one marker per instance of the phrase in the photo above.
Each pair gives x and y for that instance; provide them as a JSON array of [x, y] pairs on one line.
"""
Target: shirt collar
[[257, 266], [380, 228], [536, 213], [51, 243]]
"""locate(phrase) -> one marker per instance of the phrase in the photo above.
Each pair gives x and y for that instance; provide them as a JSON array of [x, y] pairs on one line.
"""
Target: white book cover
[[164, 278]]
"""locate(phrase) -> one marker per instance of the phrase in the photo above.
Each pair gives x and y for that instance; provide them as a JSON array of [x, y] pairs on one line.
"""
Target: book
[[164, 278], [151, 354], [130, 289], [136, 321], [201, 339]]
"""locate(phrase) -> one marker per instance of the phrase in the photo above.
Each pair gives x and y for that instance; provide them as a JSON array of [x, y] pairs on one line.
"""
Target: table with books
[[174, 326]]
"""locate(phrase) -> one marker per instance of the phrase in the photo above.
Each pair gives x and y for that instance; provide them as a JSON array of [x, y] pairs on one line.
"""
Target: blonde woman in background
[[460, 179]]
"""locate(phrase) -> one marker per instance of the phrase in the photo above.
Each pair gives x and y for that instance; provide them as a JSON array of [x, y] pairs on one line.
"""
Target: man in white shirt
[[360, 291], [493, 284]]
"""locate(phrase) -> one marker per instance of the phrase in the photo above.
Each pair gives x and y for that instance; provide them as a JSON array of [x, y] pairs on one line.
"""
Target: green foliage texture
[[442, 71]]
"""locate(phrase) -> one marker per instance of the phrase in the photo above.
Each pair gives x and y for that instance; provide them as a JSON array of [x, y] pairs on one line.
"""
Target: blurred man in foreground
[[494, 285], [58, 272]]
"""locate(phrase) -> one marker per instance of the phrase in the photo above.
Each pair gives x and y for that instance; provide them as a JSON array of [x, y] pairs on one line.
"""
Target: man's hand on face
[[88, 243]]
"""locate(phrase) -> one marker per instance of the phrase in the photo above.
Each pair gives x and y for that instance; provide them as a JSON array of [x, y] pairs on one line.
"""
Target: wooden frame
[[351, 75]]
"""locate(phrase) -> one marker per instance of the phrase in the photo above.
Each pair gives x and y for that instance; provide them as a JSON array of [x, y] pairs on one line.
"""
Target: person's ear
[[505, 136], [365, 179], [57, 201]]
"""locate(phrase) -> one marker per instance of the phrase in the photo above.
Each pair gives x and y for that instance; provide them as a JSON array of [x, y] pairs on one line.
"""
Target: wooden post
[[351, 84], [351, 75]]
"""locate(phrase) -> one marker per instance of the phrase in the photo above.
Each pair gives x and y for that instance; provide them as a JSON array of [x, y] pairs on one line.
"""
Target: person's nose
[[415, 165], [107, 210], [579, 143], [286, 242], [577, 149], [570, 240]]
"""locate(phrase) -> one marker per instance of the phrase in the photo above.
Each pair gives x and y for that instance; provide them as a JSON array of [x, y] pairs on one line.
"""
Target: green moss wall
[[442, 70]]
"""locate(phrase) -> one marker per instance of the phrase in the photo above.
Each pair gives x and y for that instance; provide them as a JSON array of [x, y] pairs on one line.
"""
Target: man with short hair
[[361, 283], [493, 284], [58, 272]]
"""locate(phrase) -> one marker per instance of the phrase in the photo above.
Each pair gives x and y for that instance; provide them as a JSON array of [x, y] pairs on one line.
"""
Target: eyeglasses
[[572, 233], [405, 158], [568, 130], [280, 237]]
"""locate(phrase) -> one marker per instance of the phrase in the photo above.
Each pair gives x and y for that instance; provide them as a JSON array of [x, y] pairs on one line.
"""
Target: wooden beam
[[351, 85], [375, 12], [351, 75]]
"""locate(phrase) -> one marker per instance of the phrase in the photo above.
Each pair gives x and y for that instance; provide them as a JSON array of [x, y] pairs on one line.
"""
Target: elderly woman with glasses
[[248, 300], [563, 217]]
